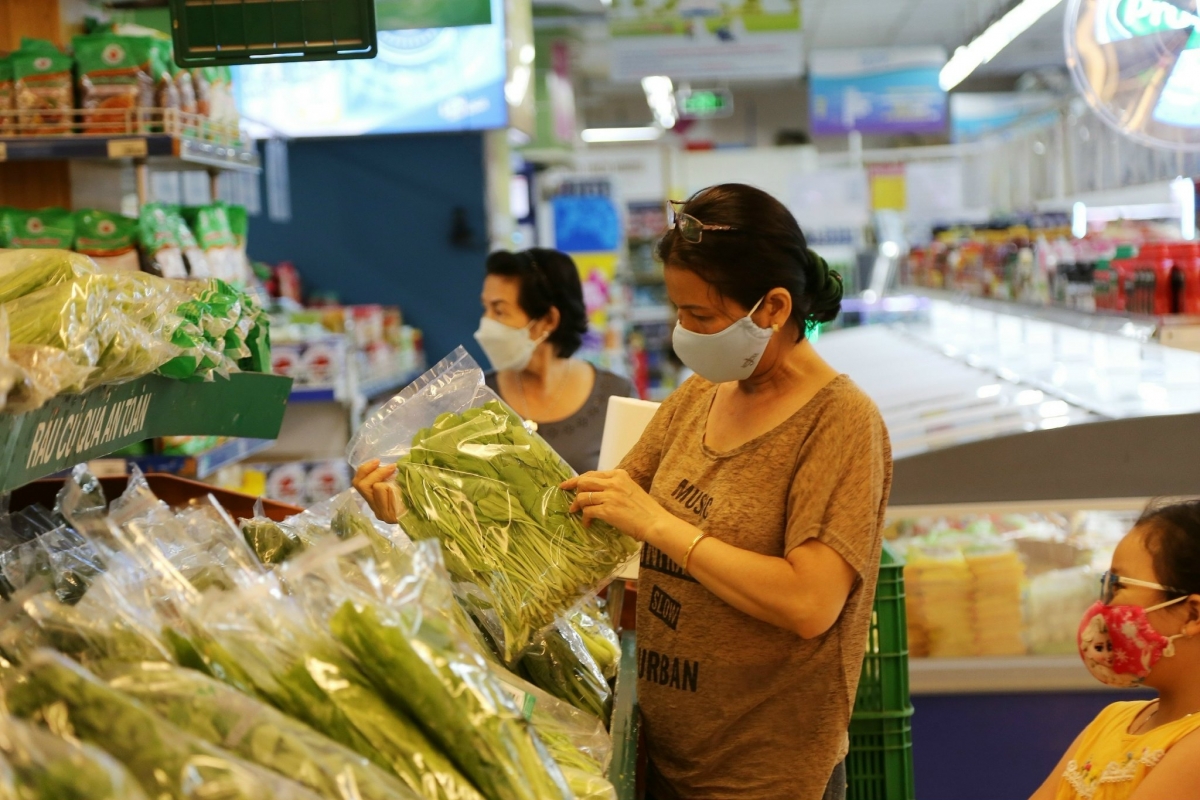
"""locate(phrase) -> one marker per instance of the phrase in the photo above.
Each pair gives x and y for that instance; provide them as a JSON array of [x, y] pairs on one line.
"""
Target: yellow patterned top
[[1110, 762]]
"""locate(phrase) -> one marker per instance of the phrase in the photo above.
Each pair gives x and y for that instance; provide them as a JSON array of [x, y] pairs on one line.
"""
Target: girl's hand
[[382, 494], [615, 498]]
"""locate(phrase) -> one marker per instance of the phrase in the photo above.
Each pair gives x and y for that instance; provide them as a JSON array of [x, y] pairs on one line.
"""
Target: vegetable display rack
[[223, 32], [75, 428]]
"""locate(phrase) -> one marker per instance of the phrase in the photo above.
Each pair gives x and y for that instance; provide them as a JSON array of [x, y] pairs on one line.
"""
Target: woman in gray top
[[534, 320]]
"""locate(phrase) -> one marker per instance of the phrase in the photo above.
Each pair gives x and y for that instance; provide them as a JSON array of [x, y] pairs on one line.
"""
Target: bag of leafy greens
[[473, 477], [25, 271], [404, 637], [167, 762], [42, 766]]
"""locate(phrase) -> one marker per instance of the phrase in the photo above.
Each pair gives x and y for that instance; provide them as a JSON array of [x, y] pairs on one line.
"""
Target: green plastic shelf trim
[[74, 428], [225, 32], [625, 722]]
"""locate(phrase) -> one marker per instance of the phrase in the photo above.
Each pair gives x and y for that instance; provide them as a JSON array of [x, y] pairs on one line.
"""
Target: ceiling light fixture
[[660, 96], [999, 35], [606, 135]]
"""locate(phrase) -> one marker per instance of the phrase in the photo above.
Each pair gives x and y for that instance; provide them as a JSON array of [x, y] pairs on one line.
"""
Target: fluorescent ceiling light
[[660, 96], [600, 135], [999, 35]]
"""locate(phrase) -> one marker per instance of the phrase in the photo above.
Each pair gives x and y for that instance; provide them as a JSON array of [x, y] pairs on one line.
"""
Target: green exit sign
[[704, 103]]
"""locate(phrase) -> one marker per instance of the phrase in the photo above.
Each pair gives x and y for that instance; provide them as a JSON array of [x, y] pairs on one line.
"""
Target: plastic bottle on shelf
[[1186, 272], [1124, 271], [1154, 270]]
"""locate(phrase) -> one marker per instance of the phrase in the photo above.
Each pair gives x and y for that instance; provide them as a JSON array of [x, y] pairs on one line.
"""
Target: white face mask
[[507, 348], [730, 355]]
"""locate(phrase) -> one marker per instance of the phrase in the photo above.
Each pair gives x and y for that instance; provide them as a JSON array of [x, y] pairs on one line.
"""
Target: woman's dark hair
[[1173, 538], [548, 279], [765, 250]]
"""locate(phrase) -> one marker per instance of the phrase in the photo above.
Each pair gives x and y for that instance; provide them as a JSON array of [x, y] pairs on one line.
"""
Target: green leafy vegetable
[[42, 766], [559, 663]]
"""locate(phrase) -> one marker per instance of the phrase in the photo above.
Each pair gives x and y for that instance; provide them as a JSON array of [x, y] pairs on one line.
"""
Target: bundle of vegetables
[[271, 542], [471, 476], [167, 762], [43, 766], [23, 272], [113, 324], [258, 640], [407, 645], [559, 662], [592, 624], [223, 716]]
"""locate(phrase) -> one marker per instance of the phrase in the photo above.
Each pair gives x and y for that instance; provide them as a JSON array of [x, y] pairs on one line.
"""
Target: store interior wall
[[372, 220]]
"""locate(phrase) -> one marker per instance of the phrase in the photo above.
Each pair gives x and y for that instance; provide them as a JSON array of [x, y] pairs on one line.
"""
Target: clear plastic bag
[[575, 739], [167, 762], [559, 662], [42, 766], [474, 478], [250, 729], [272, 542], [592, 624], [23, 272], [405, 640]]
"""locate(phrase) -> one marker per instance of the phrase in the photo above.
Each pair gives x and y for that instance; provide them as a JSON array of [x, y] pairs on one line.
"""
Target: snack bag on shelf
[[26, 271], [162, 251], [42, 764], [7, 96], [46, 228], [116, 82], [214, 234], [197, 261], [44, 88], [473, 477], [110, 239], [202, 84]]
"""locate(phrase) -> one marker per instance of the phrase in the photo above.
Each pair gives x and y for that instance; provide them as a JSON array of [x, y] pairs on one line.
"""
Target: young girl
[[1144, 631]]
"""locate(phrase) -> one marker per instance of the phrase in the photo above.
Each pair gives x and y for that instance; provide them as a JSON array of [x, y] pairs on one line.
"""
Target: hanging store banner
[[705, 39], [975, 115], [396, 15], [881, 91]]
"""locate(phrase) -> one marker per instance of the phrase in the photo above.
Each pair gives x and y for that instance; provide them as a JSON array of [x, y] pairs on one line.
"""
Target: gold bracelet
[[688, 555]]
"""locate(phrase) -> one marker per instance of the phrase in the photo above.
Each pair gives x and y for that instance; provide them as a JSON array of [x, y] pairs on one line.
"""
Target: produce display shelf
[[199, 466], [74, 428], [153, 146], [622, 773]]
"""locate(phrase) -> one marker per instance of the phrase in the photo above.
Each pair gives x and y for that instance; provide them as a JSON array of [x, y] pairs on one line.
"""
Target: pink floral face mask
[[1118, 644]]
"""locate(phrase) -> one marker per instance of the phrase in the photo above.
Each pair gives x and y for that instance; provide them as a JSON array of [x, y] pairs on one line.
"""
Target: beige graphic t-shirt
[[735, 708]]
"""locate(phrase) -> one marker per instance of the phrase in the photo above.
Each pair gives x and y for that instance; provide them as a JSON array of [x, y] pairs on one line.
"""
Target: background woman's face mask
[[728, 355], [506, 348]]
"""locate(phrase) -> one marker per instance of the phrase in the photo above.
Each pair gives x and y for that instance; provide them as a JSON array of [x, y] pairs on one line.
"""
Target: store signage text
[[86, 430], [1131, 18]]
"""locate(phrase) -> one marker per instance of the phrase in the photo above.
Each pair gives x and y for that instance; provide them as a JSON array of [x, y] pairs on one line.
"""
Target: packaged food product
[[162, 252], [202, 84], [214, 234], [7, 104], [45, 228], [197, 261], [44, 88], [110, 239], [116, 81], [25, 271], [239, 223]]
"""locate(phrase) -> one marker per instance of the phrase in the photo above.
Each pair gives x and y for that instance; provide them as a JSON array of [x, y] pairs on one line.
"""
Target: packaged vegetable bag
[[46, 228], [215, 237], [116, 82], [167, 762], [158, 235], [471, 476], [25, 271], [44, 88], [110, 239], [43, 765], [7, 96]]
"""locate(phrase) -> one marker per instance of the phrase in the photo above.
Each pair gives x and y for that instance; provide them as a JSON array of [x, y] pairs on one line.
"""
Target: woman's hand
[[615, 498], [382, 494]]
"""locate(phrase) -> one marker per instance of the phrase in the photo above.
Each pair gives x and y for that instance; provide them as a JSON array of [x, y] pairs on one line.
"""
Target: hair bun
[[824, 290]]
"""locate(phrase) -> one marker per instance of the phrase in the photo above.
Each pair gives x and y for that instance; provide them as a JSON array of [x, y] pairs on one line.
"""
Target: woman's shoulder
[[849, 404], [610, 384]]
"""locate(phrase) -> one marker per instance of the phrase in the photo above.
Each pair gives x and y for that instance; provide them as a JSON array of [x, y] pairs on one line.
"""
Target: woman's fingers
[[366, 469], [386, 503]]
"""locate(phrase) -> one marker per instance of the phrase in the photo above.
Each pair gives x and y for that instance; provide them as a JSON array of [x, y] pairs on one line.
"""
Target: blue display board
[[876, 91], [435, 79]]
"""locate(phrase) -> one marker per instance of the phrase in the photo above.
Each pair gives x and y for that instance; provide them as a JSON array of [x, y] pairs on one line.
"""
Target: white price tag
[[127, 148]]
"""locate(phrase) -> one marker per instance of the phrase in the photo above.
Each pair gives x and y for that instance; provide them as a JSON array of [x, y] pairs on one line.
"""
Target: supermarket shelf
[[314, 394], [75, 428], [622, 771], [1001, 675], [647, 315], [154, 146], [199, 466], [1134, 326]]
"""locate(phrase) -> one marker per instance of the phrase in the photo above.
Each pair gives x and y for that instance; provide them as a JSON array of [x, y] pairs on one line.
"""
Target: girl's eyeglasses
[[691, 229], [1110, 581]]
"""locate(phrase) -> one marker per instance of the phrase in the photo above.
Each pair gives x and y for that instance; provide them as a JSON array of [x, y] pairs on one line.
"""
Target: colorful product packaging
[[44, 88], [52, 228], [110, 239], [213, 232], [7, 99], [158, 235], [116, 82]]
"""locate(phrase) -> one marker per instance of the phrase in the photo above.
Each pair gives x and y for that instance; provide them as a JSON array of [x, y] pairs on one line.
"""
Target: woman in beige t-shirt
[[759, 490]]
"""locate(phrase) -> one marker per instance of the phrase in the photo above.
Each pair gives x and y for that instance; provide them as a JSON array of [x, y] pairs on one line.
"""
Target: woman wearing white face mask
[[534, 320], [758, 491], [1144, 631]]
